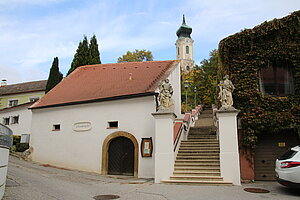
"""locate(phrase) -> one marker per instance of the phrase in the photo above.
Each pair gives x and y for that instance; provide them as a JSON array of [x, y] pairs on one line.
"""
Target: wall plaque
[[82, 126], [147, 147]]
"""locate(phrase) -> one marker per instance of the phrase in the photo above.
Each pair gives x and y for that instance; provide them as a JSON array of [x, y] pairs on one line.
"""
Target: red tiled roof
[[104, 81]]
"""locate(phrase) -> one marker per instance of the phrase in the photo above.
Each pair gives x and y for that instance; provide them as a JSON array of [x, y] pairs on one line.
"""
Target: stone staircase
[[197, 161]]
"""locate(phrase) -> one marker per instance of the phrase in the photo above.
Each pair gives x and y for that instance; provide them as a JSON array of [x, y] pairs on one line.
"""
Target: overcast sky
[[33, 32]]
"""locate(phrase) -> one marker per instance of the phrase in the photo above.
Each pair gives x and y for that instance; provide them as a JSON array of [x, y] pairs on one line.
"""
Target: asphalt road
[[31, 181]]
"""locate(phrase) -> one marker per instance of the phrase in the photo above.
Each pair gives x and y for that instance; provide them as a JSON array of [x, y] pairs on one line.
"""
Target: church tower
[[184, 47]]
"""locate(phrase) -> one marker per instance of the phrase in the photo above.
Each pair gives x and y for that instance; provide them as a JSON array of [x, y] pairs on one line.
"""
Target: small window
[[277, 80], [114, 124], [187, 49], [34, 99], [13, 102], [56, 127], [15, 120], [6, 120], [178, 52], [187, 68]]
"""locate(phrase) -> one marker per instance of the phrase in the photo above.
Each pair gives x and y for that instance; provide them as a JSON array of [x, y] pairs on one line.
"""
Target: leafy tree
[[203, 79], [136, 56], [54, 76], [86, 54]]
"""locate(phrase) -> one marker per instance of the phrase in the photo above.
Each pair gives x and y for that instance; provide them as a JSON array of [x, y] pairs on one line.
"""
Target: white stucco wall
[[83, 150], [174, 78], [25, 115]]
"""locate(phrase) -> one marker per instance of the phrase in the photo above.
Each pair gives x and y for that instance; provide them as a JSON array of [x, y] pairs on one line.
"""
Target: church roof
[[184, 30], [102, 82]]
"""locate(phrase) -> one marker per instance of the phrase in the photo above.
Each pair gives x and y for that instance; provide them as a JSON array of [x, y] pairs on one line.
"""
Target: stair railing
[[182, 126]]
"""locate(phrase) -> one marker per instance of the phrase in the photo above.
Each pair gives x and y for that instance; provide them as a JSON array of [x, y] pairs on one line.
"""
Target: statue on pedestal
[[165, 96], [225, 94]]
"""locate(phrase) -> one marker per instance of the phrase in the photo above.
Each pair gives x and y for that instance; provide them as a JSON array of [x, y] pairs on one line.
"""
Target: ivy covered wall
[[243, 55]]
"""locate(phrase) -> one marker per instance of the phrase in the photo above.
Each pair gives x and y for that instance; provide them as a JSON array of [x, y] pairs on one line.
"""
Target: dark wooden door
[[269, 148], [121, 157]]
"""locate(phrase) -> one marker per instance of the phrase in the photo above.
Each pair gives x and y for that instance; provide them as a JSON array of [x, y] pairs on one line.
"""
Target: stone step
[[199, 141], [216, 148], [200, 178], [197, 151], [202, 141], [180, 157], [197, 168], [196, 182], [204, 145], [197, 165], [196, 173], [197, 160]]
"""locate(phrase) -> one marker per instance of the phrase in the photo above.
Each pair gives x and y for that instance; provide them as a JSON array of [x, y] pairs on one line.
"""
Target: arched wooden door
[[121, 157]]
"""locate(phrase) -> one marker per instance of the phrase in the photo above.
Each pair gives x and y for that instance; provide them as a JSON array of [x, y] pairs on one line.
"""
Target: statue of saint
[[225, 95], [165, 95]]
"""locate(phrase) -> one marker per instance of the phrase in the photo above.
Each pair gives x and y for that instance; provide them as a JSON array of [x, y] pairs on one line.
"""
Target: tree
[[86, 54], [136, 56], [94, 51], [55, 76], [203, 79]]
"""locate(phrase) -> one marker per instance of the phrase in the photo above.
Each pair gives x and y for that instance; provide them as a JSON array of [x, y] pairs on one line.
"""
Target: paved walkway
[[31, 181]]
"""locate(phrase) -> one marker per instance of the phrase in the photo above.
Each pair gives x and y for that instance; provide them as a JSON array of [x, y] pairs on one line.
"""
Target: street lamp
[[186, 85], [195, 90]]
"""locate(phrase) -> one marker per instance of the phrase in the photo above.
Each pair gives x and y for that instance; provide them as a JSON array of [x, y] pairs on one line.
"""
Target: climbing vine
[[243, 55]]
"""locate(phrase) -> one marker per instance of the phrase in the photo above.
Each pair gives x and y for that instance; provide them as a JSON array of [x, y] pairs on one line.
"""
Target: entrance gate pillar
[[229, 150], [163, 146]]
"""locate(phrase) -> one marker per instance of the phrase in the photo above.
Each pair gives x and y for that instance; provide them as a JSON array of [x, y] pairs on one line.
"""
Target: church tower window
[[187, 50]]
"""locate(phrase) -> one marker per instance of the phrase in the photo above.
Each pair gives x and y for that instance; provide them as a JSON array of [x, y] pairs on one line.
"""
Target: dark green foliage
[[243, 55], [21, 147], [86, 54], [54, 76], [94, 52]]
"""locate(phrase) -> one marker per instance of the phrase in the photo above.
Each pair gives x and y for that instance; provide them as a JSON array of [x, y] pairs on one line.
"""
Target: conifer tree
[[55, 76], [86, 54], [94, 51]]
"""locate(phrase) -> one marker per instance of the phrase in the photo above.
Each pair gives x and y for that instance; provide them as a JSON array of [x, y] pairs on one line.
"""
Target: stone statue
[[225, 95], [165, 95]]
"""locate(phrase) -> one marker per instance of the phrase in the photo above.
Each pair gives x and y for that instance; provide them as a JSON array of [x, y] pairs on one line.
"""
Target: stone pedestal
[[163, 146], [229, 150]]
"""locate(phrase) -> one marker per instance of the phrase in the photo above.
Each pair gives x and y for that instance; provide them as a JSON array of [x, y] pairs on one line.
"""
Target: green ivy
[[243, 55]]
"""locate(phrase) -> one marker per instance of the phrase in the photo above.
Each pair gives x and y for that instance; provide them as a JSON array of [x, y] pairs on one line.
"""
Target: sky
[[33, 32]]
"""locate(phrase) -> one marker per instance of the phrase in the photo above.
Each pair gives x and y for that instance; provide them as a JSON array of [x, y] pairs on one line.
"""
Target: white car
[[288, 168]]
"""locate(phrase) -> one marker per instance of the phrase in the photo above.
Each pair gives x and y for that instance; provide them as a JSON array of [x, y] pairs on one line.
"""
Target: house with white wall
[[96, 118], [18, 119]]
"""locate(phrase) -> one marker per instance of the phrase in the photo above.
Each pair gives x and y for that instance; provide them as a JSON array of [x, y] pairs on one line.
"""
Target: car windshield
[[289, 154]]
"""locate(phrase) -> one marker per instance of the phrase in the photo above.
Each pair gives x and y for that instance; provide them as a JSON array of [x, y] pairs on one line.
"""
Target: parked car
[[288, 168], [5, 144]]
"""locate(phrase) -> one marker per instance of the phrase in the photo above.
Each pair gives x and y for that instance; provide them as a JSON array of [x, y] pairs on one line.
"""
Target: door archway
[[118, 150]]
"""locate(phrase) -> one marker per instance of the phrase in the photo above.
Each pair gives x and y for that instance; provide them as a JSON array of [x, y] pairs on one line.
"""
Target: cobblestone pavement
[[31, 181]]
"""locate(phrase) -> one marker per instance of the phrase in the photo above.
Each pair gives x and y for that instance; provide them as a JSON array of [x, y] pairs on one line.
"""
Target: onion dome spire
[[184, 30]]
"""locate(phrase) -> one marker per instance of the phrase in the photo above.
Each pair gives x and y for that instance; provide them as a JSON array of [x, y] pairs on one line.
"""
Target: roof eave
[[97, 100]]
